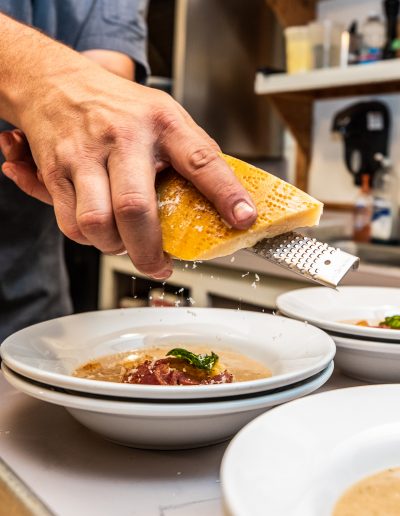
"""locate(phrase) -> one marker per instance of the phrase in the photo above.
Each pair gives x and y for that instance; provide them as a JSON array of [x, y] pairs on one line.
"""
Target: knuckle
[[56, 179], [72, 231], [120, 136], [132, 207], [228, 193], [201, 157], [94, 220], [112, 133], [166, 121]]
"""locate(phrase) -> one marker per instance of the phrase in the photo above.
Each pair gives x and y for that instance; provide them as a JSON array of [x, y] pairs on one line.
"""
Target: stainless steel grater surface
[[307, 257]]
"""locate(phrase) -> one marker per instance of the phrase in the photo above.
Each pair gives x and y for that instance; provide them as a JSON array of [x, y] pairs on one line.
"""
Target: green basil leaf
[[393, 322], [206, 362]]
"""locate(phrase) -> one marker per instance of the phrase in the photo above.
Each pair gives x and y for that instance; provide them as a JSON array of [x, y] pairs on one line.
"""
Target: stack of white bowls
[[40, 361], [365, 353]]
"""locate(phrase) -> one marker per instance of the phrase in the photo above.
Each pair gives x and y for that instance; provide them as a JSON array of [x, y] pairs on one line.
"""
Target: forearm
[[30, 63]]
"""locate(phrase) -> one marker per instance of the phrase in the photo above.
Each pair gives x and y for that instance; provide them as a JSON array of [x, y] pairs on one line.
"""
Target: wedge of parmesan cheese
[[193, 230]]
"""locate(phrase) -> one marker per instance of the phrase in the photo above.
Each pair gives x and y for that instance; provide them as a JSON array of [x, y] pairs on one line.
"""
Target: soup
[[163, 366], [377, 495], [389, 323]]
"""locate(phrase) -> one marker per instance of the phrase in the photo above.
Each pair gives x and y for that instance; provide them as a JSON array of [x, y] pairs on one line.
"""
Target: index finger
[[198, 160]]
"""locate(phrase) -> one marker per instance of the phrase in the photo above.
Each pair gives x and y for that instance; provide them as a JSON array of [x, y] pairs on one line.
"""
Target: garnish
[[393, 322], [206, 362]]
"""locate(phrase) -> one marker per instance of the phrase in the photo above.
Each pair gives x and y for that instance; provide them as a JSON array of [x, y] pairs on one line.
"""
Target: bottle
[[373, 39], [355, 42], [385, 217], [391, 8], [298, 49], [363, 212]]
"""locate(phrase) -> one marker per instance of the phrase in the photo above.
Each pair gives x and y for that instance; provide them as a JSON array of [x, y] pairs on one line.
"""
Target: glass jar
[[298, 52]]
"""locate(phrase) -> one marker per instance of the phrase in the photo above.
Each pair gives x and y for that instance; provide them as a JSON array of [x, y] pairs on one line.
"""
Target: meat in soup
[[162, 366]]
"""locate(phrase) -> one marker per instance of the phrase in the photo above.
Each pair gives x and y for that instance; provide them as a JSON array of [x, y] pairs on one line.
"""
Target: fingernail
[[243, 211], [163, 275], [9, 171]]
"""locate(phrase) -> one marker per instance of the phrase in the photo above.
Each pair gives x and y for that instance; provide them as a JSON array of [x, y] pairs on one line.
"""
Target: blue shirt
[[33, 279]]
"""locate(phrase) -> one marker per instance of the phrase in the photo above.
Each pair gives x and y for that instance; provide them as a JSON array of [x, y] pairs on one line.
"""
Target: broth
[[376, 495], [114, 368]]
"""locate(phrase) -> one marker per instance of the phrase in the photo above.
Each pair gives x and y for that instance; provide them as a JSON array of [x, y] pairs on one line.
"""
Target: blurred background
[[307, 90]]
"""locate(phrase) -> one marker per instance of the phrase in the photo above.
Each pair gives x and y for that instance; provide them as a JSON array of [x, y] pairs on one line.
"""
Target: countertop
[[74, 472]]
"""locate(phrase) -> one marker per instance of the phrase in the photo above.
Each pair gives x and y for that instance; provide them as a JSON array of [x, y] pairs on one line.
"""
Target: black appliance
[[365, 128]]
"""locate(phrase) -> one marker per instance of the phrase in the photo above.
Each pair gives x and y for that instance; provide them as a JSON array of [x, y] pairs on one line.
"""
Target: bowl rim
[[335, 326], [169, 392]]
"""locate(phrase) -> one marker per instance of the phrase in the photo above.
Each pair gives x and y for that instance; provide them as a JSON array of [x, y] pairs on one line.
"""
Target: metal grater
[[306, 256]]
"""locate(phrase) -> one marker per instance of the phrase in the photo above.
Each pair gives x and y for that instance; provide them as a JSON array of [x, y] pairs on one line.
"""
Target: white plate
[[371, 361], [165, 425], [297, 459], [49, 352], [328, 308]]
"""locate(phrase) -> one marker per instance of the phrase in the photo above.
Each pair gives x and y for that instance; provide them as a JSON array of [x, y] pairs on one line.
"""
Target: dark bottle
[[391, 8], [355, 44]]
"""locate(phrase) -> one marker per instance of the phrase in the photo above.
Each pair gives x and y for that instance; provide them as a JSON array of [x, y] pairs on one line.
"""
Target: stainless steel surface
[[219, 44], [307, 257], [16, 499]]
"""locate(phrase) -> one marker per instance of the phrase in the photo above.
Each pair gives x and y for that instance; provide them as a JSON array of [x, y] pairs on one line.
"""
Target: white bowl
[[376, 362], [165, 425], [328, 308], [49, 352], [298, 459]]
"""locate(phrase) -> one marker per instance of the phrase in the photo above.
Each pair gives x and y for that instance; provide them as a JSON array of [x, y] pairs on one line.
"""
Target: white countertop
[[75, 472]]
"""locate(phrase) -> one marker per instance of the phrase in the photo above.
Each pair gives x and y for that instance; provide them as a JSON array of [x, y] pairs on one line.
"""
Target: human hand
[[98, 142]]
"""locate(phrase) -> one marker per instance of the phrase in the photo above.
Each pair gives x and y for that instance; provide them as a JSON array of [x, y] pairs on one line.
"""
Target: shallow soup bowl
[[50, 352]]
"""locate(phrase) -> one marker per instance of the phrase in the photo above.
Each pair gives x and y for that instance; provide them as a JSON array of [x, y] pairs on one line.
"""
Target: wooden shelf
[[293, 96], [382, 77]]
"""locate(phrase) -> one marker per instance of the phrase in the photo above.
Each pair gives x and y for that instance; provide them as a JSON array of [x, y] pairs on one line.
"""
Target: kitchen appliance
[[365, 128]]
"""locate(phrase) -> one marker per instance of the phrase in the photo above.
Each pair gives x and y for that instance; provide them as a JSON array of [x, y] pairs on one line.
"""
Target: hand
[[98, 142]]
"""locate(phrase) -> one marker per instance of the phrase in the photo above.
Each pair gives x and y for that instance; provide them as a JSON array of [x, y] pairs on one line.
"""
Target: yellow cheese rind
[[193, 230]]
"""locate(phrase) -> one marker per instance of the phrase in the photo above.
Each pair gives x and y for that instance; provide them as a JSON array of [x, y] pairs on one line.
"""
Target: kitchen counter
[[74, 472]]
